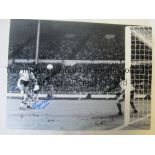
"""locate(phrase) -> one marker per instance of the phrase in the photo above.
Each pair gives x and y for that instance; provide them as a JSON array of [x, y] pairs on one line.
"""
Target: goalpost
[[37, 42], [138, 58]]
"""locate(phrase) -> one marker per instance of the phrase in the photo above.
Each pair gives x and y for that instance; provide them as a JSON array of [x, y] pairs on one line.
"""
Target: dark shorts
[[119, 94], [25, 83], [36, 91]]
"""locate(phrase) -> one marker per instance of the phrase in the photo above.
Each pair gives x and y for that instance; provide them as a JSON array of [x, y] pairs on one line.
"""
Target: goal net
[[138, 51]]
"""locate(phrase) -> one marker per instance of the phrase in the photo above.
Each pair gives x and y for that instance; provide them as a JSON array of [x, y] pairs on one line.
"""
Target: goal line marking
[[132, 122]]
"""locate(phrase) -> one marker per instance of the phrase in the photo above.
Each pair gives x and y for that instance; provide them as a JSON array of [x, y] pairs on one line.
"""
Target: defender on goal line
[[121, 96]]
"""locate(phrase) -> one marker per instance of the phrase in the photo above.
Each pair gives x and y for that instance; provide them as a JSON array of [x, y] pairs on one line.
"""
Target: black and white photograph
[[78, 76]]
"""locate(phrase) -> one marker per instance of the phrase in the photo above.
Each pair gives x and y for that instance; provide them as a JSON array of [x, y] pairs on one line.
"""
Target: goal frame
[[128, 63]]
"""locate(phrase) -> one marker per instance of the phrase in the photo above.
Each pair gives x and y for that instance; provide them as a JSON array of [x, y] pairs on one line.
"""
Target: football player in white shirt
[[23, 84], [121, 97]]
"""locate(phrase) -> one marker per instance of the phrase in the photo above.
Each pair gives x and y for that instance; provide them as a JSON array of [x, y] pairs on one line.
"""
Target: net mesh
[[141, 71]]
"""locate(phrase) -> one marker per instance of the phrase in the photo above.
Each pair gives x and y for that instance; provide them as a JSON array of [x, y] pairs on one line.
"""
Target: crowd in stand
[[93, 78], [94, 48], [22, 50], [68, 41]]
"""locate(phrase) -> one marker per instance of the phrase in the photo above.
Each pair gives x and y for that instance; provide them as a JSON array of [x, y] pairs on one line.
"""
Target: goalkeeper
[[121, 97]]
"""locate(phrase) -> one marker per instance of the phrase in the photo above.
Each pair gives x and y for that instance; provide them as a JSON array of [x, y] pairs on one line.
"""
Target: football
[[49, 66]]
